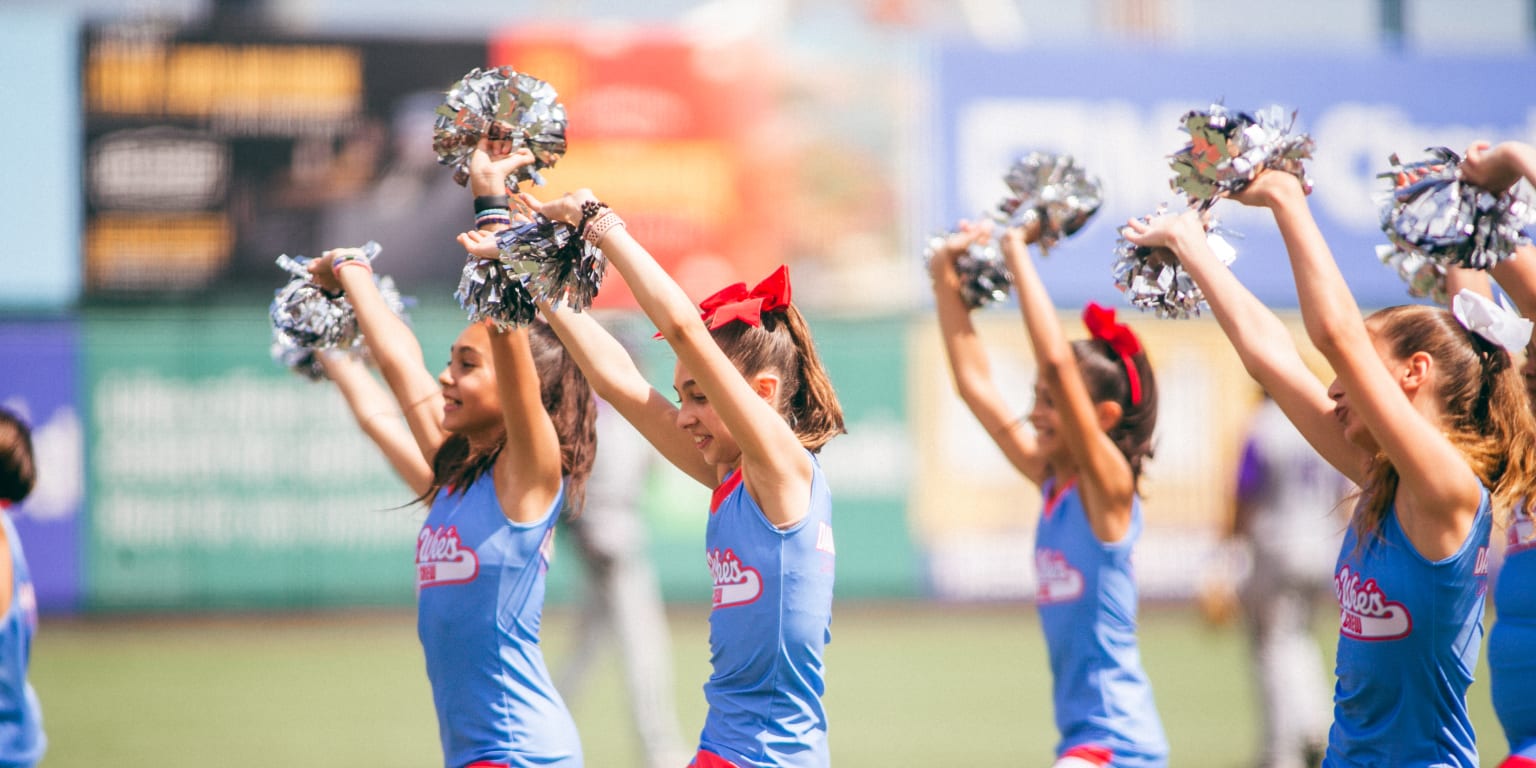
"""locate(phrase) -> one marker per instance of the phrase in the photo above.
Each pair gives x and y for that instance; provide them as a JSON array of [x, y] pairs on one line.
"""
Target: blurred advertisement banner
[[677, 136], [1119, 112], [39, 382]]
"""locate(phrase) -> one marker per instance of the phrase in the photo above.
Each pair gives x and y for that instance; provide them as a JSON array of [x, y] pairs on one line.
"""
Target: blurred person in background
[[621, 595], [1287, 529], [22, 742]]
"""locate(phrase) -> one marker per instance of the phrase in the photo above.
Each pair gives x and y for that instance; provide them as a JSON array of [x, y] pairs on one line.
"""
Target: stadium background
[[160, 156]]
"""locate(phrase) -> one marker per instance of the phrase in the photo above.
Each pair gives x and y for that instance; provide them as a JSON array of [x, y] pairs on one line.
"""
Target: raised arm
[[616, 379], [528, 469], [968, 365], [1105, 478], [391, 344], [1443, 492], [1261, 340], [379, 417], [1497, 169], [775, 467]]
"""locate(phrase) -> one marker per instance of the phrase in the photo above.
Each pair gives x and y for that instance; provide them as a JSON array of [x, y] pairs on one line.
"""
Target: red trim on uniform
[[5, 504], [1516, 761], [731, 481], [707, 759], [487, 764], [1056, 495], [1090, 752]]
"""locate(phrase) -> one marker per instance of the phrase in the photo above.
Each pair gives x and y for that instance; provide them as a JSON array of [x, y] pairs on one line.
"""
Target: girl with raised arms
[[1427, 416], [504, 442], [1091, 429], [754, 407]]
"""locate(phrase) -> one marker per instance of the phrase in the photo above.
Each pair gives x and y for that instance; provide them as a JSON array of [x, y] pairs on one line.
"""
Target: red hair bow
[[1102, 326], [735, 302]]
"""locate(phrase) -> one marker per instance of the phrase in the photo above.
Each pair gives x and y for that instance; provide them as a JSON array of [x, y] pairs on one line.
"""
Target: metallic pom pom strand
[[1429, 211], [1228, 149], [984, 276], [489, 290], [1425, 277], [305, 318], [1152, 279], [500, 103], [554, 263], [1051, 191]]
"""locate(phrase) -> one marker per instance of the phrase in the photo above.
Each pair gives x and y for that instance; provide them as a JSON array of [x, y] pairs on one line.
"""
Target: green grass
[[908, 685]]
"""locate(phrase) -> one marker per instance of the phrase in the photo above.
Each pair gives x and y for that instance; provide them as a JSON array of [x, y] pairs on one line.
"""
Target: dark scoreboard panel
[[208, 154]]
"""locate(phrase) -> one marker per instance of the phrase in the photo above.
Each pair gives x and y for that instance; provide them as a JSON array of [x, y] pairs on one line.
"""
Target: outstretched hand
[[322, 270], [480, 244], [955, 243], [565, 209], [1170, 230], [492, 162], [1270, 187]]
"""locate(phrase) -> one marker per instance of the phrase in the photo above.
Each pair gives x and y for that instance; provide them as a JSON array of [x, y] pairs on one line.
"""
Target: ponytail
[[1484, 406], [783, 344]]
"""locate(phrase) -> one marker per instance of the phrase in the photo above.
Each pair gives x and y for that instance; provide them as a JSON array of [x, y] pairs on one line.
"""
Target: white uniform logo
[[1365, 612], [440, 559], [1058, 581], [735, 584]]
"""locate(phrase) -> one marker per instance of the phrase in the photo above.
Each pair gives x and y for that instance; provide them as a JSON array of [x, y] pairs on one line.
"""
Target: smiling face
[[1047, 424], [470, 403], [697, 417]]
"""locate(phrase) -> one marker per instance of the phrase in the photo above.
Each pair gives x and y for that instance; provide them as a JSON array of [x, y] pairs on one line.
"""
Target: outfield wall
[[182, 470]]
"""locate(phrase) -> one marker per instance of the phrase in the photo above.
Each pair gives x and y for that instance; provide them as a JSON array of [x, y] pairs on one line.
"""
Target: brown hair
[[783, 345], [567, 398], [18, 472], [1485, 409], [1104, 371]]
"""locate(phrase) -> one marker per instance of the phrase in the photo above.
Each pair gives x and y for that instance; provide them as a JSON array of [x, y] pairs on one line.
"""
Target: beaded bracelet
[[493, 216], [600, 226]]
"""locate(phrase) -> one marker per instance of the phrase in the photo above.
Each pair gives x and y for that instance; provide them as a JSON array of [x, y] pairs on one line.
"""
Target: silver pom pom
[[1227, 150], [984, 277], [1050, 191], [500, 103], [305, 318], [554, 264], [489, 290], [1153, 279], [1430, 213]]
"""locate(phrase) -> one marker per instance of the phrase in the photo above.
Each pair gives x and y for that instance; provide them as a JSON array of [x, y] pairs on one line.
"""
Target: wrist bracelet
[[493, 216], [600, 226], [488, 202], [350, 256]]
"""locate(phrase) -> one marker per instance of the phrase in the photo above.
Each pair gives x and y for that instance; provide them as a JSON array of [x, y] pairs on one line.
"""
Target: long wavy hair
[[567, 398], [1486, 412]]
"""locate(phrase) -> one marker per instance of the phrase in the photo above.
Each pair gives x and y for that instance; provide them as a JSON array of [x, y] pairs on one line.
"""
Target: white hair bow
[[1498, 323]]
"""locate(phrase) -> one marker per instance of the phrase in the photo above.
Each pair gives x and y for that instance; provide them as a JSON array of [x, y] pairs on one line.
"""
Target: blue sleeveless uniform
[[771, 619], [1409, 634], [21, 719], [480, 593], [1512, 641], [1086, 596]]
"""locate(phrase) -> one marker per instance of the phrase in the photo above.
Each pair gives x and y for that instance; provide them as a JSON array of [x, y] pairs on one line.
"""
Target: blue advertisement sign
[[1119, 112], [38, 381]]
